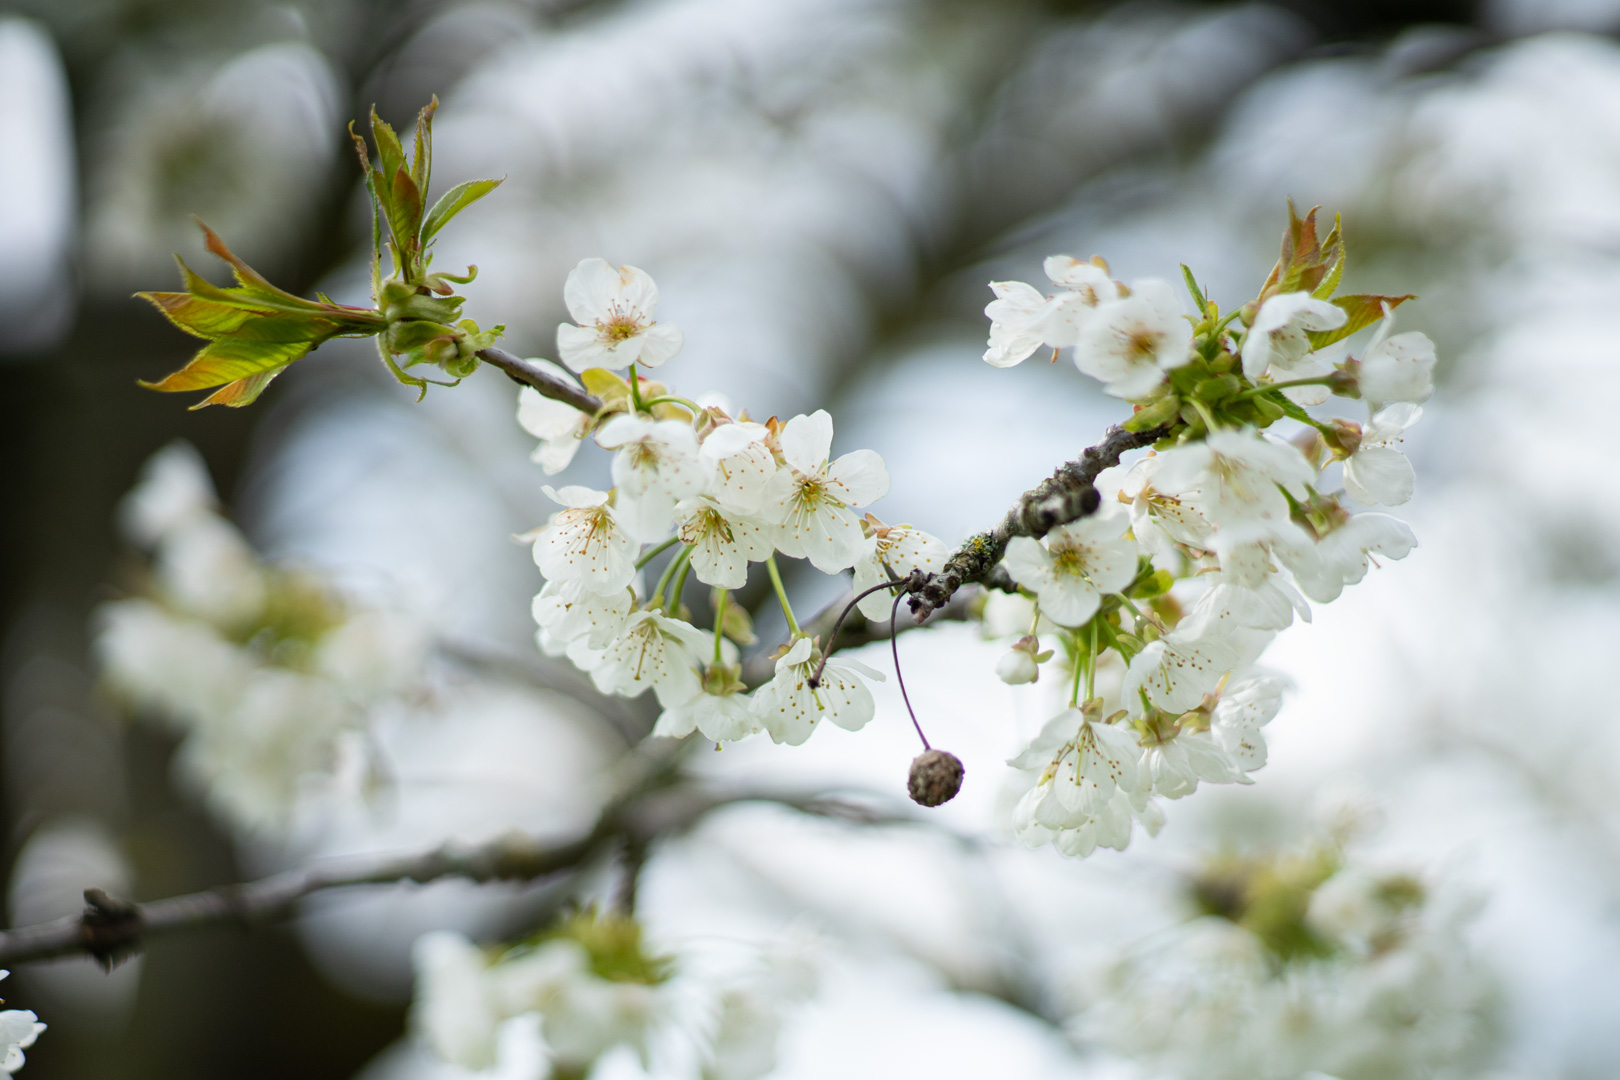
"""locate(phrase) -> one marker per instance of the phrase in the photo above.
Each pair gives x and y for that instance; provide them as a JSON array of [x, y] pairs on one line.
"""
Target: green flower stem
[[1207, 416], [720, 621], [1256, 391], [1079, 669], [1091, 667], [685, 559], [635, 390], [781, 595], [669, 572], [1134, 610], [654, 553], [1294, 412], [692, 405]]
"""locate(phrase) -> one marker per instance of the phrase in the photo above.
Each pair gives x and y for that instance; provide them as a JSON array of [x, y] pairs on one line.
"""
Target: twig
[[111, 929], [1067, 495], [549, 385]]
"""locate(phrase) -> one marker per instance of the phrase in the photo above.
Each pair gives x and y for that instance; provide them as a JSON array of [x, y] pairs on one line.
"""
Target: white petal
[[861, 475], [659, 343], [590, 290], [806, 441], [1378, 474], [582, 348], [575, 496]]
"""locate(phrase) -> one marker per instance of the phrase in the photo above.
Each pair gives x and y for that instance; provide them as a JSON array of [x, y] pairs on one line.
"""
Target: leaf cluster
[[255, 330]]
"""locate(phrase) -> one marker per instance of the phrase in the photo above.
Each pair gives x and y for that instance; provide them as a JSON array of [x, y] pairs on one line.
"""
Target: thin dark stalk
[[832, 639], [894, 643]]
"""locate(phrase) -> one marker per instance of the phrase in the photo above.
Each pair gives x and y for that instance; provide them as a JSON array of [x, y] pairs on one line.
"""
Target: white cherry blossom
[[1269, 605], [656, 466], [613, 308], [902, 549], [812, 499], [1395, 368], [566, 611], [560, 428], [19, 1028], [1177, 670], [1161, 520], [1011, 339], [1245, 549], [174, 487], [1377, 472], [1082, 762], [1129, 343], [739, 466], [1022, 320], [1082, 288], [584, 542], [1075, 564], [722, 711], [654, 651], [1246, 706], [1172, 767], [1278, 339], [1235, 476], [1342, 556], [723, 544], [788, 708]]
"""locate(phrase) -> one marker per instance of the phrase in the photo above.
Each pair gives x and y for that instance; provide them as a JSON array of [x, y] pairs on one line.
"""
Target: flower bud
[[1017, 667], [936, 777]]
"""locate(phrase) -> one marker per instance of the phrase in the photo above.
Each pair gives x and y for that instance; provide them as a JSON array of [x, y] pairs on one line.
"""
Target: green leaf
[[405, 218], [241, 392], [422, 160], [454, 202], [389, 150], [253, 330], [1363, 309], [1192, 287], [228, 360]]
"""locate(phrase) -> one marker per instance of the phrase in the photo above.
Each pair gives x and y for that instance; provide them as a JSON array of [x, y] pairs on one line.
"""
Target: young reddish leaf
[[1333, 256], [227, 360], [241, 392], [405, 216], [1364, 309]]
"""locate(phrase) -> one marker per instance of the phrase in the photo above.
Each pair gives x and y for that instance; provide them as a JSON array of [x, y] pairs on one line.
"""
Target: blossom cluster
[[267, 675], [558, 1002], [1163, 602], [1304, 965], [725, 492]]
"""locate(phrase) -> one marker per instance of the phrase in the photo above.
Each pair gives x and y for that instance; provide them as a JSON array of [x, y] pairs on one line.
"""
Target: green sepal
[[1162, 411], [1212, 391], [1155, 584]]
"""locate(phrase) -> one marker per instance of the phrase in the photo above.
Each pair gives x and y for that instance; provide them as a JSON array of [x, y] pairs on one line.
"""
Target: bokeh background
[[822, 188]]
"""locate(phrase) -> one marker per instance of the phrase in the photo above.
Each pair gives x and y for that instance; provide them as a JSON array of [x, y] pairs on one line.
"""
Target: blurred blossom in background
[[823, 189]]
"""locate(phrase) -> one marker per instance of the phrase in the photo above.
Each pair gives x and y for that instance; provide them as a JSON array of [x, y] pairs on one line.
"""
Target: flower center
[[1142, 344], [621, 327]]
